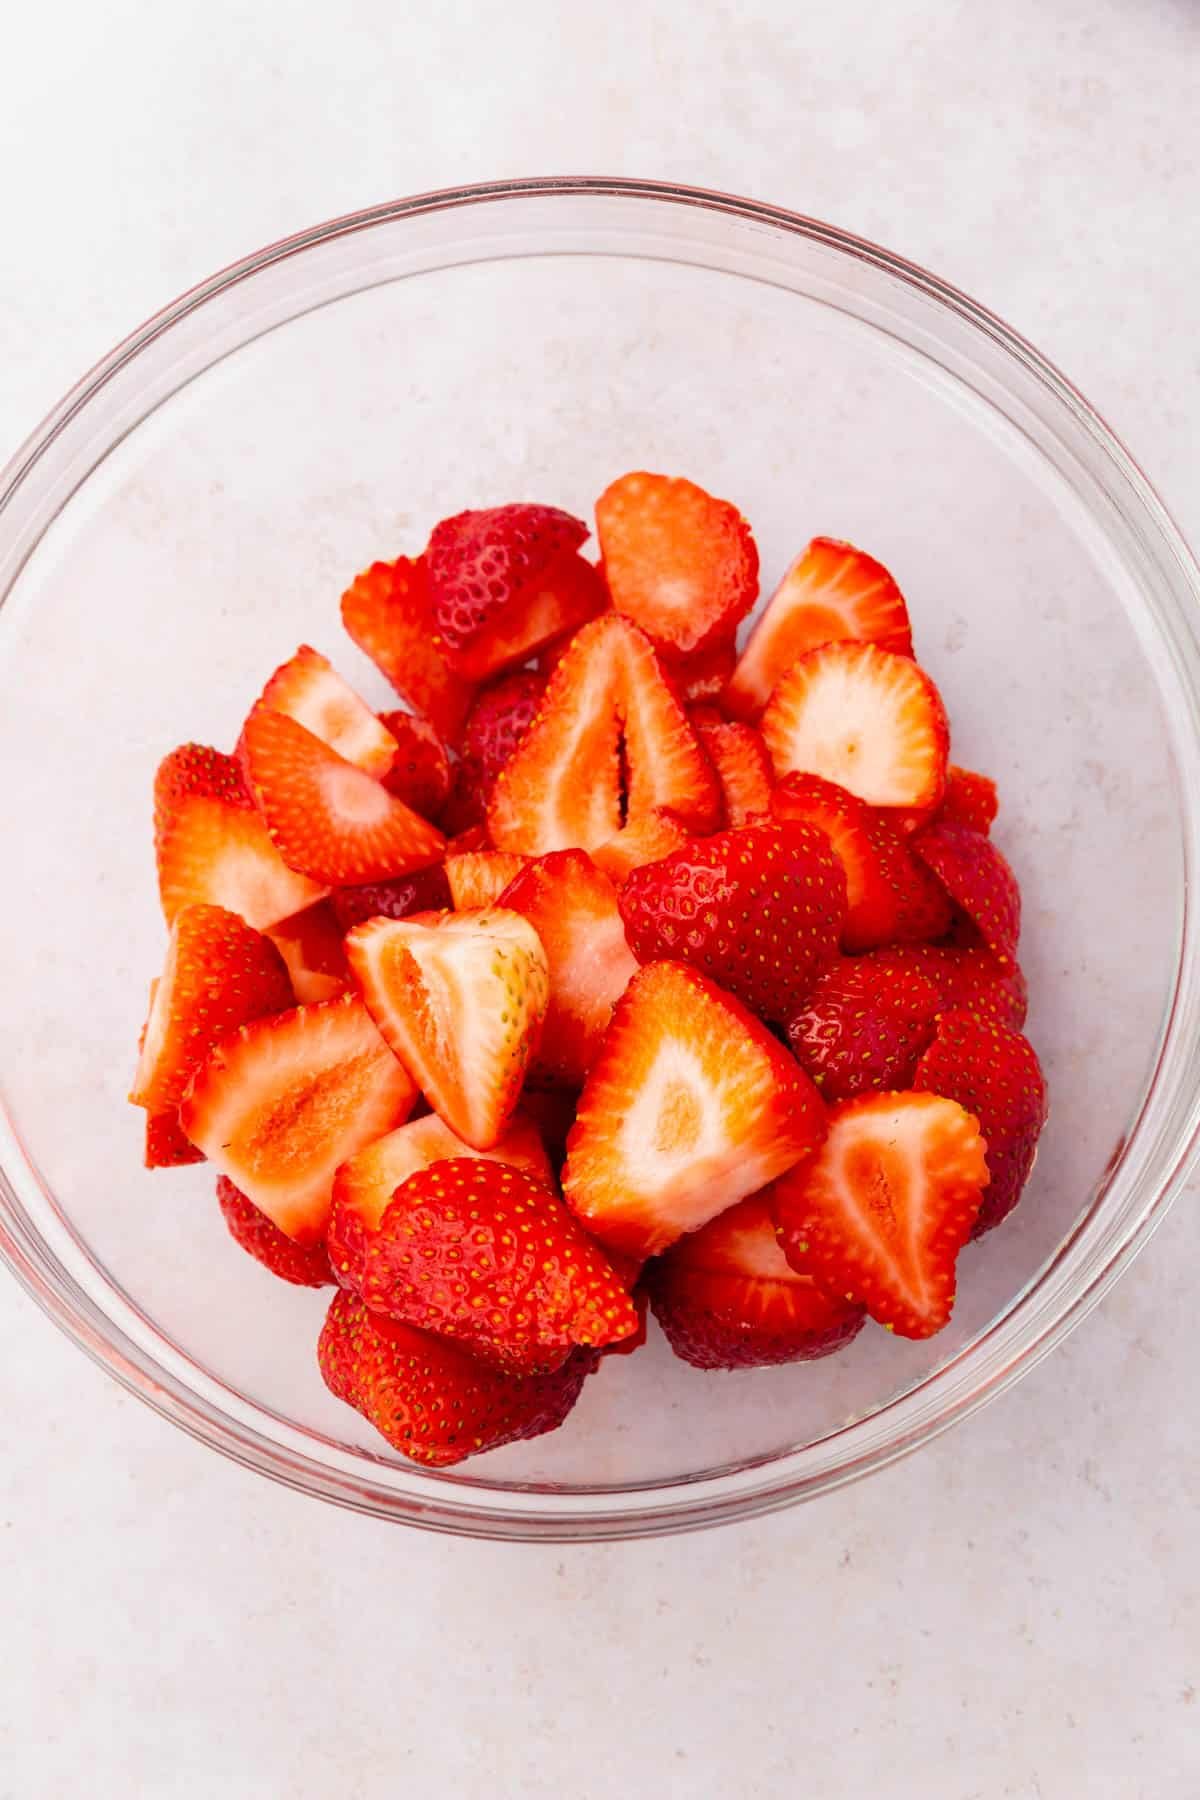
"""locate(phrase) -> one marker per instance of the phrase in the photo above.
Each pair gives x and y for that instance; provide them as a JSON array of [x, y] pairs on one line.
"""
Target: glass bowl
[[192, 511]]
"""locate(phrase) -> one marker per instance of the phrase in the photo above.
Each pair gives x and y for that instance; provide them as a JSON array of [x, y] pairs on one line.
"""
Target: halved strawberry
[[279, 1104], [571, 592], [680, 563], [890, 896], [573, 908], [646, 839], [880, 1213], [704, 674], [461, 999], [325, 817], [690, 1106], [760, 910], [977, 879], [420, 770], [966, 976], [388, 613], [869, 720], [425, 890], [727, 1297], [304, 1265], [432, 1401], [309, 689], [742, 765], [994, 1073], [483, 564], [970, 799], [479, 877], [862, 1028], [568, 785], [166, 1146], [218, 974], [499, 719], [832, 592], [310, 943], [482, 1253], [211, 846]]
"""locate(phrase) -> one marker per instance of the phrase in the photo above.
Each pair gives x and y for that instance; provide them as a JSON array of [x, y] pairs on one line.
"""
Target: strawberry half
[[832, 592], [742, 766], [570, 593], [166, 1146], [479, 877], [759, 910], [977, 879], [861, 1029], [388, 612], [499, 719], [678, 562], [461, 1000], [425, 890], [309, 689], [646, 839], [994, 1073], [880, 1213], [211, 846], [727, 1297], [419, 773], [483, 564], [482, 1253], [869, 720], [311, 946], [690, 1106], [304, 1265], [326, 818], [279, 1104], [967, 977]]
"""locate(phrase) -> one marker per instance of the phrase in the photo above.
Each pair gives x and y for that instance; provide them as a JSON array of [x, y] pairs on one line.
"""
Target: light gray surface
[[1014, 1612]]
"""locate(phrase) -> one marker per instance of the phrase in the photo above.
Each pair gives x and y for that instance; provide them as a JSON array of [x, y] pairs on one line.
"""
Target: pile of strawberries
[[622, 969]]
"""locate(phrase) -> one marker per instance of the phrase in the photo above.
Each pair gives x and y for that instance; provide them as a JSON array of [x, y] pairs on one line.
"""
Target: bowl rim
[[505, 1510]]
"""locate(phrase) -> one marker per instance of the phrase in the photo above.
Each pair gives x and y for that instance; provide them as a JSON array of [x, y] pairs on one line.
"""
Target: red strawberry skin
[[967, 977], [499, 719], [970, 799], [302, 1265], [425, 890], [420, 770], [977, 879], [481, 562], [862, 1029], [388, 612], [166, 1146]]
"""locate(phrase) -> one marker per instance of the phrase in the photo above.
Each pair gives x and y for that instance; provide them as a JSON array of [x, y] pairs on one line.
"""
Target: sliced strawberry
[[479, 877], [502, 714], [432, 1401], [978, 880], [325, 817], [573, 908], [727, 1297], [970, 799], [862, 1029], [890, 896], [550, 655], [309, 689], [552, 1111], [760, 910], [679, 563], [388, 613], [310, 944], [461, 1000], [610, 744], [425, 890], [279, 1104], [166, 1146], [966, 977], [420, 770], [994, 1073], [690, 1106], [832, 592], [211, 846], [742, 765], [705, 673], [219, 973], [484, 565], [869, 720], [570, 593], [879, 1215], [304, 1265], [646, 839]]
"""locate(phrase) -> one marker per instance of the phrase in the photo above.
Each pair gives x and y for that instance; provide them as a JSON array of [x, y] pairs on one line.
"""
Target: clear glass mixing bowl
[[191, 512]]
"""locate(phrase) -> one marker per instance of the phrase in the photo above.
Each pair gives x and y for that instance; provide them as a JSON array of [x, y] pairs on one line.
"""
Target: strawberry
[[869, 720], [551, 654], [310, 943], [704, 674], [610, 744], [166, 1146], [727, 1297], [965, 977], [646, 839], [890, 896], [502, 714], [279, 1104], [552, 1111], [419, 773], [742, 765], [432, 1401], [978, 880], [218, 974], [832, 592], [994, 1073], [679, 563], [388, 612], [573, 908], [570, 593], [759, 910], [325, 817], [468, 841], [309, 689], [880, 1213], [461, 1001], [302, 1265], [425, 890], [970, 799], [483, 565], [479, 877], [690, 1106], [364, 1185], [860, 1029], [211, 846], [482, 1253]]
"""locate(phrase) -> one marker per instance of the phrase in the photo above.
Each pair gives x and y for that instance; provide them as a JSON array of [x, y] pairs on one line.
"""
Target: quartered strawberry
[[703, 674], [646, 839], [977, 879], [878, 1216], [304, 1265], [211, 846], [309, 689], [218, 974], [482, 1253], [419, 773], [727, 1297], [832, 592], [611, 743], [310, 944], [572, 906], [966, 977], [279, 1104], [425, 890], [485, 564], [432, 1401], [571, 592], [678, 562], [865, 718], [479, 877], [690, 1105], [970, 799], [742, 765], [862, 1029], [461, 1000], [759, 910], [890, 896], [388, 612], [326, 818], [995, 1074], [166, 1146]]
